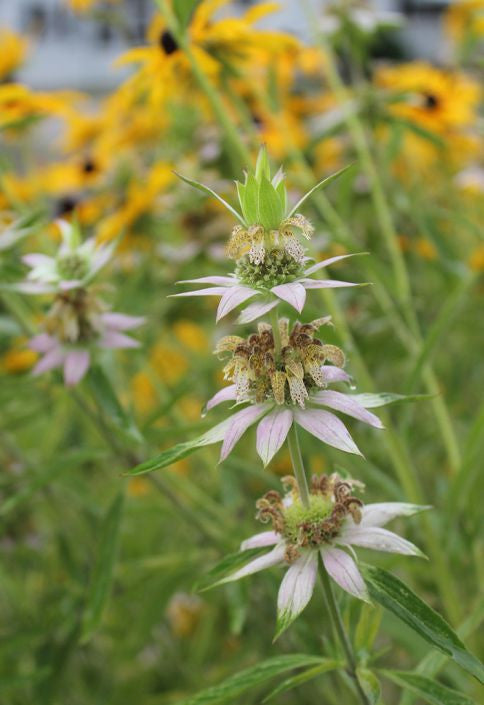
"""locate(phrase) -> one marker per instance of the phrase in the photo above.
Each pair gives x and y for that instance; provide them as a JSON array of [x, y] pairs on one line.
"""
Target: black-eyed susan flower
[[13, 50]]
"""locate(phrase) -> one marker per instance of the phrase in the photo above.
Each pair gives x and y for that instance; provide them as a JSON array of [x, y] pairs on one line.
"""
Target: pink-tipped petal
[[334, 374], [36, 259], [232, 297], [344, 571], [218, 281], [327, 427], [53, 358], [380, 513], [272, 432], [29, 287], [265, 538], [327, 262], [325, 284], [69, 284], [239, 423], [212, 291], [113, 339], [42, 343], [346, 404], [296, 589], [293, 293], [378, 539], [121, 321], [76, 365], [256, 310], [226, 394], [266, 561]]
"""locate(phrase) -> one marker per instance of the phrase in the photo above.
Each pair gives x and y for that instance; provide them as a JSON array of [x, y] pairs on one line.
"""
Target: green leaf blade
[[211, 192], [322, 184], [428, 689], [395, 596]]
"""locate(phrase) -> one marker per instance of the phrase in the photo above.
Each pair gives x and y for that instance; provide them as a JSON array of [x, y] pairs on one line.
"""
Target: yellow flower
[[426, 249], [139, 199], [143, 393], [168, 362], [476, 260], [184, 612], [190, 408], [13, 52], [18, 359], [441, 101], [464, 19], [138, 487], [191, 336], [85, 5]]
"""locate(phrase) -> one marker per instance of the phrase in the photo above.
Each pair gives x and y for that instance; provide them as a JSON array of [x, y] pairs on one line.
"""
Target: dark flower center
[[89, 166], [65, 205], [168, 42], [431, 101]]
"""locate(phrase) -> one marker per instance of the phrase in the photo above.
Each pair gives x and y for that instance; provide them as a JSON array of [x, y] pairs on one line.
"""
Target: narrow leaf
[[211, 192], [370, 685], [110, 406], [104, 569], [395, 596], [250, 678], [228, 565], [322, 184], [372, 401], [428, 689], [270, 206], [293, 681]]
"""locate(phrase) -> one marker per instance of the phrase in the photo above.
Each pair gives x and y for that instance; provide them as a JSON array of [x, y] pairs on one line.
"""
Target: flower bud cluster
[[330, 502], [260, 373]]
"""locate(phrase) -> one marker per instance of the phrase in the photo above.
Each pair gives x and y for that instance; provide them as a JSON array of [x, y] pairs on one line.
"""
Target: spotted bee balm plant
[[282, 375]]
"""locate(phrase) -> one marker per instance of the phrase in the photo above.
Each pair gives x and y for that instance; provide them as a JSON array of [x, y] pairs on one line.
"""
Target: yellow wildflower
[[426, 249], [464, 19], [13, 51], [191, 335], [168, 362], [18, 360], [476, 260], [143, 393], [138, 487]]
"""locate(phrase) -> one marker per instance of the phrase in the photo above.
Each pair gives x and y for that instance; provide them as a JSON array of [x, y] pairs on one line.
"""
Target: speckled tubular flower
[[278, 278], [74, 266], [271, 263], [333, 521], [77, 325], [285, 382]]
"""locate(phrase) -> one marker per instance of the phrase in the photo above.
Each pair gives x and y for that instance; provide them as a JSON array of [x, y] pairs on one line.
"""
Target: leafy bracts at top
[[265, 221]]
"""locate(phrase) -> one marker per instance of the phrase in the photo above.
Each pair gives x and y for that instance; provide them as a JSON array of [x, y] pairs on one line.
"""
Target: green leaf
[[103, 572], [181, 450], [395, 596], [101, 389], [292, 682], [183, 10], [428, 689], [270, 207], [322, 184], [367, 627], [250, 204], [228, 565], [211, 192], [369, 684], [372, 401], [262, 167], [282, 193], [249, 678]]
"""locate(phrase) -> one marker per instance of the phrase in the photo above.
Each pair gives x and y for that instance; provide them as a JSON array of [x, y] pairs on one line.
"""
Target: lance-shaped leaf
[[104, 569], [322, 184], [249, 678], [328, 664], [370, 685], [228, 565], [270, 207], [427, 689], [211, 192], [395, 596], [372, 401]]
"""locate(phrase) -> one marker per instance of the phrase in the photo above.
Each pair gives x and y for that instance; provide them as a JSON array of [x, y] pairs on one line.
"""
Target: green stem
[[340, 631], [298, 464], [275, 331]]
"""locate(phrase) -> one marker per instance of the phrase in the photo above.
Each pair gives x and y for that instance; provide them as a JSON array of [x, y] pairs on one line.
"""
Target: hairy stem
[[298, 464], [340, 631]]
